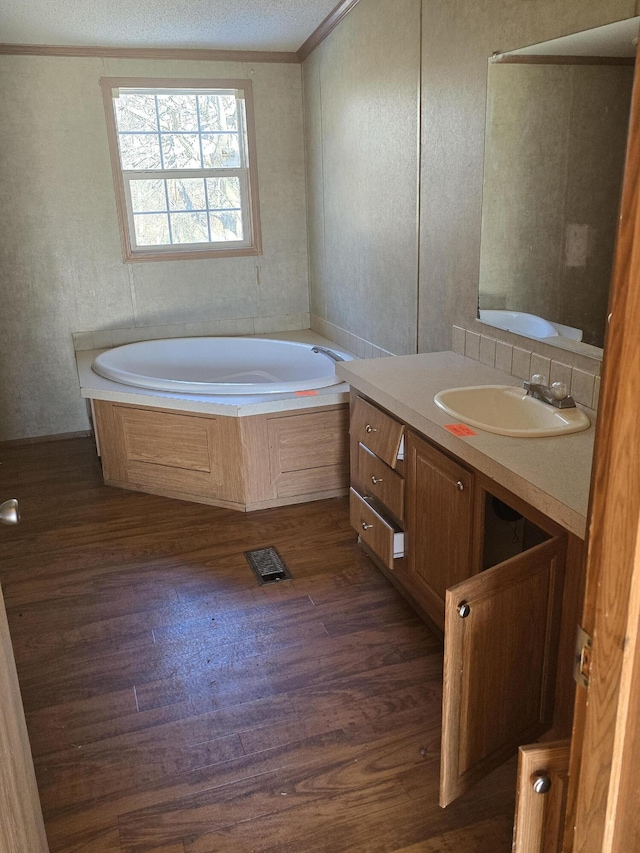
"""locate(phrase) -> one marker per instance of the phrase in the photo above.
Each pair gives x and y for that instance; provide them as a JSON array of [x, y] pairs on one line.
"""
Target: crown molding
[[197, 54], [327, 26]]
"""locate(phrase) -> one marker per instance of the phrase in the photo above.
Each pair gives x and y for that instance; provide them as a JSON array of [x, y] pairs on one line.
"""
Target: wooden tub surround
[[243, 463]]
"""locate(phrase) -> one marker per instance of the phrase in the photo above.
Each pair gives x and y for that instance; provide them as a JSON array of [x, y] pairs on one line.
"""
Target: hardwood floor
[[175, 706]]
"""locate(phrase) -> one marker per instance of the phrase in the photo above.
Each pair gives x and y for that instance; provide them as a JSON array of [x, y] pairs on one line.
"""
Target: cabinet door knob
[[369, 428], [375, 480], [366, 526], [541, 783], [464, 610], [9, 512], [460, 486]]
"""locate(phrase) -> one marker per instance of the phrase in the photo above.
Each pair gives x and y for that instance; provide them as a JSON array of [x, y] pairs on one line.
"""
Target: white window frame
[[246, 172]]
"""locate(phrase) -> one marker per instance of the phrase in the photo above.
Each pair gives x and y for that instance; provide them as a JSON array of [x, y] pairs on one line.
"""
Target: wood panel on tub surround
[[62, 267], [434, 57]]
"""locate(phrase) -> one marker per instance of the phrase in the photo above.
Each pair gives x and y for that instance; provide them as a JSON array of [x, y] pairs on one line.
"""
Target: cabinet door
[[439, 514], [21, 824], [501, 642], [543, 776]]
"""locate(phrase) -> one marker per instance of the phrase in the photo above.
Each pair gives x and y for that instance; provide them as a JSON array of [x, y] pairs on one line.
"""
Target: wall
[[61, 264], [361, 94], [353, 285]]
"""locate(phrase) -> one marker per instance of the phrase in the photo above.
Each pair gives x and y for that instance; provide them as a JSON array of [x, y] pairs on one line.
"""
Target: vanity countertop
[[552, 474]]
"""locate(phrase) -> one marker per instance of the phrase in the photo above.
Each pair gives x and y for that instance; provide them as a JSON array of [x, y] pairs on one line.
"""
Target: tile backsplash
[[583, 386]]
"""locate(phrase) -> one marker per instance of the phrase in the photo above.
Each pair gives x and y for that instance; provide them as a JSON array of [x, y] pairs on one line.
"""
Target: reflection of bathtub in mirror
[[521, 323]]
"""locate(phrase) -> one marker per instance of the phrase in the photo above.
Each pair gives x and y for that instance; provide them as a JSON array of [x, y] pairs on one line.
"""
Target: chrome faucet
[[556, 394], [328, 352]]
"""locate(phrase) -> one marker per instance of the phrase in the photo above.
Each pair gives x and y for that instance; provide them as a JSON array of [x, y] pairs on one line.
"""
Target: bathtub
[[239, 366], [241, 423]]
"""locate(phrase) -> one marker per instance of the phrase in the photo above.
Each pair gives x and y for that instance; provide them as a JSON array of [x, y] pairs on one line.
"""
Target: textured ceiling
[[216, 24]]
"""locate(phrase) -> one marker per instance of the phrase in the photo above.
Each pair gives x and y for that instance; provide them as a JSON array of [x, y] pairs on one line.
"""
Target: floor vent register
[[268, 565]]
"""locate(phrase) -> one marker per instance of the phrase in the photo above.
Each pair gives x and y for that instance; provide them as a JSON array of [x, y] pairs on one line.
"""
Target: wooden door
[[21, 824], [439, 511], [543, 771], [501, 643], [604, 806]]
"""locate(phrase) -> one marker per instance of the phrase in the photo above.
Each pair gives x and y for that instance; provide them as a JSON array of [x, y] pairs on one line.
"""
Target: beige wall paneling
[[312, 102], [365, 78], [59, 264], [62, 268], [458, 38], [21, 825]]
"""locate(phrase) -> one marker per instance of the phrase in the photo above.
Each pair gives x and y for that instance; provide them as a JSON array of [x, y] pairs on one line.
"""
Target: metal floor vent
[[268, 565]]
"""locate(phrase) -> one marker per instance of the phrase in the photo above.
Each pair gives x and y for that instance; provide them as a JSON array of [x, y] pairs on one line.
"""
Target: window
[[183, 156]]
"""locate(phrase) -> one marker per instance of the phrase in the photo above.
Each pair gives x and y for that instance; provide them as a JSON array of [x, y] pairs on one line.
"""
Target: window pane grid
[[204, 196], [166, 137], [182, 220]]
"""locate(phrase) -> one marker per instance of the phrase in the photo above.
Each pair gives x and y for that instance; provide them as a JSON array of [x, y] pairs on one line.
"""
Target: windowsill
[[141, 257]]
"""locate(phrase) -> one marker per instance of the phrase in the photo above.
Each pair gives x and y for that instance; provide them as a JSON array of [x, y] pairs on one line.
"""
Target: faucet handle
[[539, 379], [559, 390]]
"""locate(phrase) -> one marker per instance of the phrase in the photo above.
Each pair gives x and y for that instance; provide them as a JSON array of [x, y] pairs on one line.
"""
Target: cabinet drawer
[[380, 481], [376, 430], [375, 531]]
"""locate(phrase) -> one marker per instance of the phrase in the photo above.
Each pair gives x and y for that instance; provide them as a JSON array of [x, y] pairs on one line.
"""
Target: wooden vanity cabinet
[[485, 568]]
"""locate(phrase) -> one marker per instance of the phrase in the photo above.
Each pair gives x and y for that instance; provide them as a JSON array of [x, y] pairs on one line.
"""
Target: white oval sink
[[507, 410]]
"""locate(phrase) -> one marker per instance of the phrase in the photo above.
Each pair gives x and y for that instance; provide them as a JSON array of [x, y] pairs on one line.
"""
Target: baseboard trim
[[41, 439]]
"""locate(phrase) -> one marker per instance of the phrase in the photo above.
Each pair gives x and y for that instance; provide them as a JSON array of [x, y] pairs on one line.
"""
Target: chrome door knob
[[375, 480], [464, 610], [366, 526], [542, 783], [9, 513]]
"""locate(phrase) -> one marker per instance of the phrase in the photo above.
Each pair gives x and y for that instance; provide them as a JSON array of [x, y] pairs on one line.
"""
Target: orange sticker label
[[306, 393], [460, 429]]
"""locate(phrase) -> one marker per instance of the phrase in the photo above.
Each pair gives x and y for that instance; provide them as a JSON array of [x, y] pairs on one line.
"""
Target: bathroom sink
[[507, 410]]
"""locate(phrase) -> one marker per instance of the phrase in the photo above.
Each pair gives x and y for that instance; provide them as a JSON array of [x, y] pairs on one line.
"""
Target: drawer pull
[[541, 783], [460, 486], [375, 480], [366, 526], [369, 428], [464, 610]]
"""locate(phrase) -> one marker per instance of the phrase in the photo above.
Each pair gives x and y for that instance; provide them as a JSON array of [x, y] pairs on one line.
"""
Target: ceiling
[[281, 25]]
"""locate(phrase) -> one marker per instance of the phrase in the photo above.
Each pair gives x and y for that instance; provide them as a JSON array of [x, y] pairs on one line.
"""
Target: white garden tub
[[221, 365]]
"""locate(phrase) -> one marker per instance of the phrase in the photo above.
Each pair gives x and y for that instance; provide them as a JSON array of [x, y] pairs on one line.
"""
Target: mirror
[[555, 137]]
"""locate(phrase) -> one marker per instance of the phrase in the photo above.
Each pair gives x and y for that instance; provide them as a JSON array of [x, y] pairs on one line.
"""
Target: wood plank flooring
[[175, 706]]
